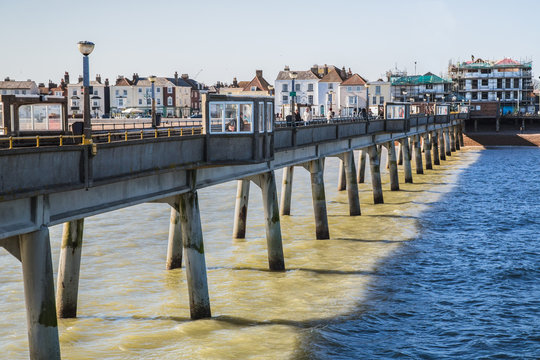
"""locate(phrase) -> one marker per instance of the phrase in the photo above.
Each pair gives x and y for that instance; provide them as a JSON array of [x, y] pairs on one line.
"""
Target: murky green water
[[130, 307]]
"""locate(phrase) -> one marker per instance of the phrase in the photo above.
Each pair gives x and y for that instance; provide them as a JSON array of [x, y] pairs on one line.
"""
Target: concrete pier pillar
[[435, 147], [352, 185], [442, 145], [241, 209], [67, 285], [174, 245], [418, 155], [452, 134], [456, 134], [393, 169], [447, 147], [375, 167], [460, 129], [400, 154], [35, 249], [286, 190], [362, 166], [267, 183], [407, 160], [192, 236], [316, 169], [342, 177], [427, 151]]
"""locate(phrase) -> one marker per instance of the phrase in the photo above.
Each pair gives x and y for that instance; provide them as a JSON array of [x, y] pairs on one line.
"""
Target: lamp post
[[152, 79], [293, 75], [86, 48]]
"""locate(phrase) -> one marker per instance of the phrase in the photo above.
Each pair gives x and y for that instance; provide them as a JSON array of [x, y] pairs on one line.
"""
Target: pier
[[51, 185]]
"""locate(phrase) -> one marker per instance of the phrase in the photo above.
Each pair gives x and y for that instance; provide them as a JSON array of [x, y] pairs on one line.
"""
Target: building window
[[484, 82], [310, 99], [17, 92], [378, 90], [515, 94], [159, 101], [330, 86], [349, 88], [253, 88], [117, 92], [508, 86], [125, 92], [169, 90], [499, 95], [310, 87], [140, 90], [484, 95], [148, 101], [169, 101], [499, 83], [429, 86], [285, 87], [358, 88], [95, 103], [158, 89], [285, 98], [120, 102], [74, 92], [475, 96], [381, 100], [352, 100], [95, 92], [516, 83], [475, 84], [298, 87], [508, 95], [374, 100]]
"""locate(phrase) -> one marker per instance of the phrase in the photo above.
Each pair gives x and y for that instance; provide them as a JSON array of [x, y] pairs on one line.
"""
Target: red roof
[[507, 61]]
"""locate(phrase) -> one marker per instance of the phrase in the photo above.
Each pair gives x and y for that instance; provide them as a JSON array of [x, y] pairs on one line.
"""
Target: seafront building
[[258, 86], [19, 88], [506, 82], [420, 88], [378, 92]]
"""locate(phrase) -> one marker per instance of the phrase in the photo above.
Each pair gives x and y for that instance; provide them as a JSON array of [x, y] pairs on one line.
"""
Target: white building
[[378, 92], [306, 88], [97, 98], [352, 95], [19, 88]]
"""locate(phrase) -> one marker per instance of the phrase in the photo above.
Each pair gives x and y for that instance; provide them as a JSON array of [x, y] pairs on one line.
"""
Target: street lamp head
[[454, 98], [85, 47], [152, 78], [293, 74]]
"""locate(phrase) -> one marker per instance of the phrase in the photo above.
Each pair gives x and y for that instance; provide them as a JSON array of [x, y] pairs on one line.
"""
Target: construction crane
[[197, 74]]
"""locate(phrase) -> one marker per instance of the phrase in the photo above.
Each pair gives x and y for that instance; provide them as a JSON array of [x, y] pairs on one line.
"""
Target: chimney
[[325, 69], [51, 85], [135, 77], [7, 79], [287, 68], [258, 73], [176, 78], [343, 72], [80, 79], [98, 78], [106, 82], [350, 72], [185, 76], [315, 69], [234, 82], [66, 77]]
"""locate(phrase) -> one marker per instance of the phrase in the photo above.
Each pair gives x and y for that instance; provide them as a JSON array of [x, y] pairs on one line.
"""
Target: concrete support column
[[362, 166], [452, 134], [460, 129], [38, 280], [67, 286], [352, 185], [400, 154], [407, 169], [392, 166], [316, 169], [192, 236], [375, 167], [442, 145], [267, 182], [447, 147], [456, 134], [418, 155], [435, 147], [427, 151], [241, 209], [174, 247], [286, 190], [342, 177]]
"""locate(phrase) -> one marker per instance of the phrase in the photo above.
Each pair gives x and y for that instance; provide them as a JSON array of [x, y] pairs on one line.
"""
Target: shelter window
[[40, 117], [269, 116], [260, 117], [231, 117]]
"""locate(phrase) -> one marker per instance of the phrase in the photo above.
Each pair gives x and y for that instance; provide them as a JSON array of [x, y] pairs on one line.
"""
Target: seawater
[[408, 278]]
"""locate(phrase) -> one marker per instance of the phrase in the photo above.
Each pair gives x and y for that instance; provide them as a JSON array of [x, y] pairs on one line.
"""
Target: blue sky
[[231, 38]]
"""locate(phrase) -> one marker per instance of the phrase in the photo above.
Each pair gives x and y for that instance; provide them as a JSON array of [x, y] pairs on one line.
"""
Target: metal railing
[[323, 120], [37, 141]]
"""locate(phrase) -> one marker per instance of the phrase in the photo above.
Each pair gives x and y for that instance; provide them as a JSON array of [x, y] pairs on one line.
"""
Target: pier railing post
[[352, 185], [442, 145], [67, 286], [241, 209], [316, 170], [392, 163], [407, 169], [418, 155], [38, 280], [375, 167], [192, 236], [435, 147], [427, 151], [286, 190], [174, 245], [342, 177], [362, 166], [267, 183]]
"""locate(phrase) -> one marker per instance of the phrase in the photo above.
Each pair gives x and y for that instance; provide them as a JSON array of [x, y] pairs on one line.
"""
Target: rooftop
[[427, 78]]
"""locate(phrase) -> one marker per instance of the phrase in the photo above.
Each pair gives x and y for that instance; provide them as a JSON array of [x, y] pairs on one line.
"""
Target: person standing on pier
[[307, 116]]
